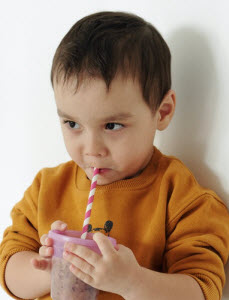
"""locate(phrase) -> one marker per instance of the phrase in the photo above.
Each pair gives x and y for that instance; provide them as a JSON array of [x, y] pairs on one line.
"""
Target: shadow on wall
[[196, 83]]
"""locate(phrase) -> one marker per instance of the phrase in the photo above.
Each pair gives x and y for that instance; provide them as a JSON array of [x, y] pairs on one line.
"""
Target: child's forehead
[[85, 85], [123, 101]]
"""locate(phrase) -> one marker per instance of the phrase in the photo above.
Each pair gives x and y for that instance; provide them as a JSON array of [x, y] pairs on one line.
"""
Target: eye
[[111, 126], [71, 124]]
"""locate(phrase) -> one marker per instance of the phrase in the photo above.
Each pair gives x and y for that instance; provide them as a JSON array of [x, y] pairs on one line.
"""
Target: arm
[[20, 243], [23, 280], [152, 285]]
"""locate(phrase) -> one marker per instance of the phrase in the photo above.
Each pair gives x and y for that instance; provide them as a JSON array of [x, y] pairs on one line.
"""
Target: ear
[[166, 110]]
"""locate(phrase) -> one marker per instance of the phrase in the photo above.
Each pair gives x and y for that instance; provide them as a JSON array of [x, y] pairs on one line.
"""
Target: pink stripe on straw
[[90, 200], [93, 185], [89, 203], [88, 214]]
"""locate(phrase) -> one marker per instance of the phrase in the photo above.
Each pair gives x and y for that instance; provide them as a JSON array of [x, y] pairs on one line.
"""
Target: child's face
[[95, 138]]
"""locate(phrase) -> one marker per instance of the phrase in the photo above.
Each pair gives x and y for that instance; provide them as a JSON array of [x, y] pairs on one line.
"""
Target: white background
[[30, 31]]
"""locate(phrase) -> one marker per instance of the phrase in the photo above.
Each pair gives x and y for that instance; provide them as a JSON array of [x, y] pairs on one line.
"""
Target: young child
[[112, 84]]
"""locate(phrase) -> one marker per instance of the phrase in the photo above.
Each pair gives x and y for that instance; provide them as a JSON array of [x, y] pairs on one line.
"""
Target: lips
[[101, 170]]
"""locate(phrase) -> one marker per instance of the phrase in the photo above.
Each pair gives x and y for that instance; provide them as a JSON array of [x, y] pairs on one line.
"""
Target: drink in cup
[[64, 284]]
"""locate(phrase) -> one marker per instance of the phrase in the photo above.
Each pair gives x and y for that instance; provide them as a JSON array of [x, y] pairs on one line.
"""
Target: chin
[[102, 183]]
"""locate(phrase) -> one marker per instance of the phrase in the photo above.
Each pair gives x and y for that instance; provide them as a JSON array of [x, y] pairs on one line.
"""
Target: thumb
[[105, 245]]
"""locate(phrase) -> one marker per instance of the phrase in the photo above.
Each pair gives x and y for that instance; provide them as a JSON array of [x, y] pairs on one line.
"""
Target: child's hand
[[46, 250], [114, 271]]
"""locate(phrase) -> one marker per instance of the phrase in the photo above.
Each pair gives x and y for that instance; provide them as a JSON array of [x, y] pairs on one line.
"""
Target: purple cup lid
[[61, 237]]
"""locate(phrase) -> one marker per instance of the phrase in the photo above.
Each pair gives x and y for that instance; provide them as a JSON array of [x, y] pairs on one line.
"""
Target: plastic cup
[[64, 284]]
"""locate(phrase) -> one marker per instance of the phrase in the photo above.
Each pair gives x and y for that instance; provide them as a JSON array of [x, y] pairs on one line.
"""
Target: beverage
[[64, 284]]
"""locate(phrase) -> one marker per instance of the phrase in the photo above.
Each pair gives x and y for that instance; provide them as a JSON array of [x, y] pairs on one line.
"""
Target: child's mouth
[[102, 171]]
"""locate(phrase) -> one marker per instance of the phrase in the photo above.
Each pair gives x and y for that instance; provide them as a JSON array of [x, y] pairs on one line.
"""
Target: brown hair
[[104, 44]]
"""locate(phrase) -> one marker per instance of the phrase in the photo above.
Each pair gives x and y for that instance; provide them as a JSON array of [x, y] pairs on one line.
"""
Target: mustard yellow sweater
[[170, 222]]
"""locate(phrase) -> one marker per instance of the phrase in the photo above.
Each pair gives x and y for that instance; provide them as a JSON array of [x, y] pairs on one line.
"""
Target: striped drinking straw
[[89, 203]]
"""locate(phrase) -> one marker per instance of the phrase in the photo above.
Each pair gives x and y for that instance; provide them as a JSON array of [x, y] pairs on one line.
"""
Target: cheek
[[126, 153], [67, 140], [135, 147], [136, 142], [69, 144]]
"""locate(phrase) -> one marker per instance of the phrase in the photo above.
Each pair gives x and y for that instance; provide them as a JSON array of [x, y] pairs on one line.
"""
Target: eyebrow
[[118, 116]]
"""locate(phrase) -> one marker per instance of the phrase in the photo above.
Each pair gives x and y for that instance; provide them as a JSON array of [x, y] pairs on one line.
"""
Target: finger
[[83, 252], [46, 241], [42, 239], [46, 251], [81, 275], [104, 244], [39, 264], [80, 263], [58, 225]]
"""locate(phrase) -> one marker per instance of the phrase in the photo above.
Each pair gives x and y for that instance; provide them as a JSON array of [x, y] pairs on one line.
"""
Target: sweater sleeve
[[22, 235], [198, 244]]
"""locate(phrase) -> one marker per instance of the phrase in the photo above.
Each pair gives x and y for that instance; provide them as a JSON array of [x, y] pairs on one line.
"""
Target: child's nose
[[94, 146]]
